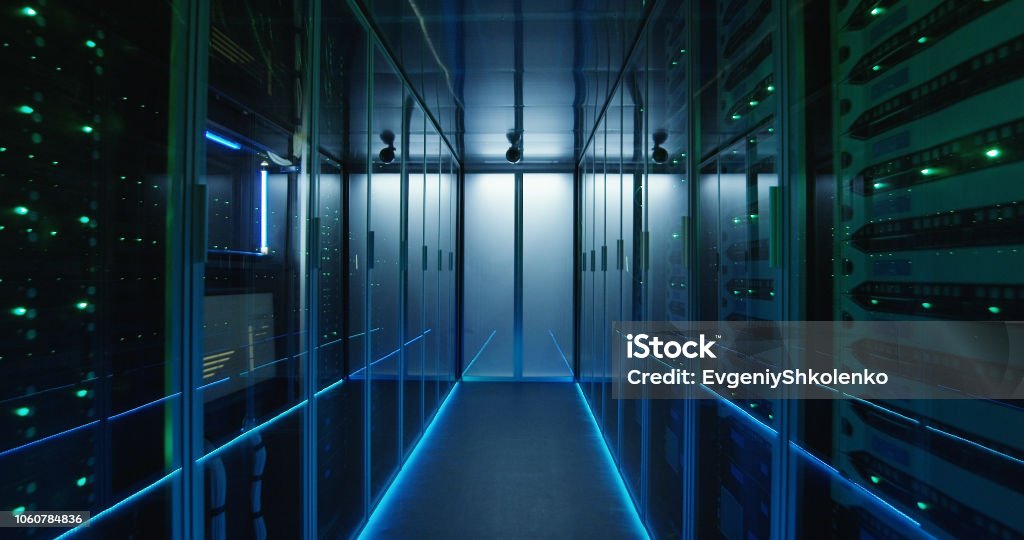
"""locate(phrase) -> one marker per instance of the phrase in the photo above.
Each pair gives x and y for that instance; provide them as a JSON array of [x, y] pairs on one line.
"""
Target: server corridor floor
[[508, 460]]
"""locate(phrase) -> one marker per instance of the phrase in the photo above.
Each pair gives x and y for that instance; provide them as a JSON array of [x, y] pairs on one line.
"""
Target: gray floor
[[508, 460]]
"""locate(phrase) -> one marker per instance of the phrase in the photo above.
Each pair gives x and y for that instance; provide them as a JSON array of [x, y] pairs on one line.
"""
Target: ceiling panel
[[463, 54]]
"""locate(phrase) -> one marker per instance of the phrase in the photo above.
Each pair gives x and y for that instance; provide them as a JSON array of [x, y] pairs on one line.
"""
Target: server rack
[[928, 228]]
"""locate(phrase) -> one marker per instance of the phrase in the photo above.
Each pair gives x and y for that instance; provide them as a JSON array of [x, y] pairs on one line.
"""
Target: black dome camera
[[387, 154], [515, 150], [513, 155], [659, 154]]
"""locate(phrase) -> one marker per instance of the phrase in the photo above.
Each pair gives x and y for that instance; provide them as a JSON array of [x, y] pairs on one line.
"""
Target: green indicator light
[[877, 11], [29, 12], [683, 51], [19, 311], [770, 88], [735, 292], [876, 67], [81, 393], [82, 305], [875, 479], [736, 117], [926, 305], [735, 220], [18, 510], [3, 148], [674, 63], [22, 411], [771, 417], [750, 291], [753, 216], [90, 43], [928, 172], [874, 302], [53, 233], [20, 210], [922, 39], [25, 109], [771, 293], [771, 130], [923, 505], [754, 103], [86, 129], [83, 219], [753, 405], [81, 481], [879, 185], [993, 152], [994, 310]]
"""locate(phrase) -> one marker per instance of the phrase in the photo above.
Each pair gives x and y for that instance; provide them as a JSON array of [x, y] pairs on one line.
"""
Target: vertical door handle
[[200, 234], [774, 227], [314, 243], [369, 250], [684, 241]]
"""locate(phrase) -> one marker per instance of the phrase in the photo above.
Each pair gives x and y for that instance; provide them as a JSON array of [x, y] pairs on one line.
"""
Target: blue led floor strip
[[386, 500], [44, 391], [113, 508], [974, 444], [249, 432], [223, 141], [10, 451], [143, 406], [214, 383], [417, 338], [742, 412], [814, 459], [353, 336], [566, 362], [638, 523], [328, 388], [849, 483], [482, 347], [377, 361]]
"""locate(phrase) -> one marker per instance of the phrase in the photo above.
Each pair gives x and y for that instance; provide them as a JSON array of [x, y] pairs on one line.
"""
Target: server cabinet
[[928, 142], [89, 389], [739, 249]]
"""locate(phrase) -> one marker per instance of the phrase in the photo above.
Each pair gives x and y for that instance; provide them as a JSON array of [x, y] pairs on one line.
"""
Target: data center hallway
[[508, 460]]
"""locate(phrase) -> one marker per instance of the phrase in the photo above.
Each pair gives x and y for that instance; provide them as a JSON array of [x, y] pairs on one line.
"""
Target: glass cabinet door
[[414, 269], [432, 258], [488, 324], [255, 299], [384, 259]]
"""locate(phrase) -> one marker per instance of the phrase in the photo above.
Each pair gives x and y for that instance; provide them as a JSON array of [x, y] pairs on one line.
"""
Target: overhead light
[[264, 248]]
